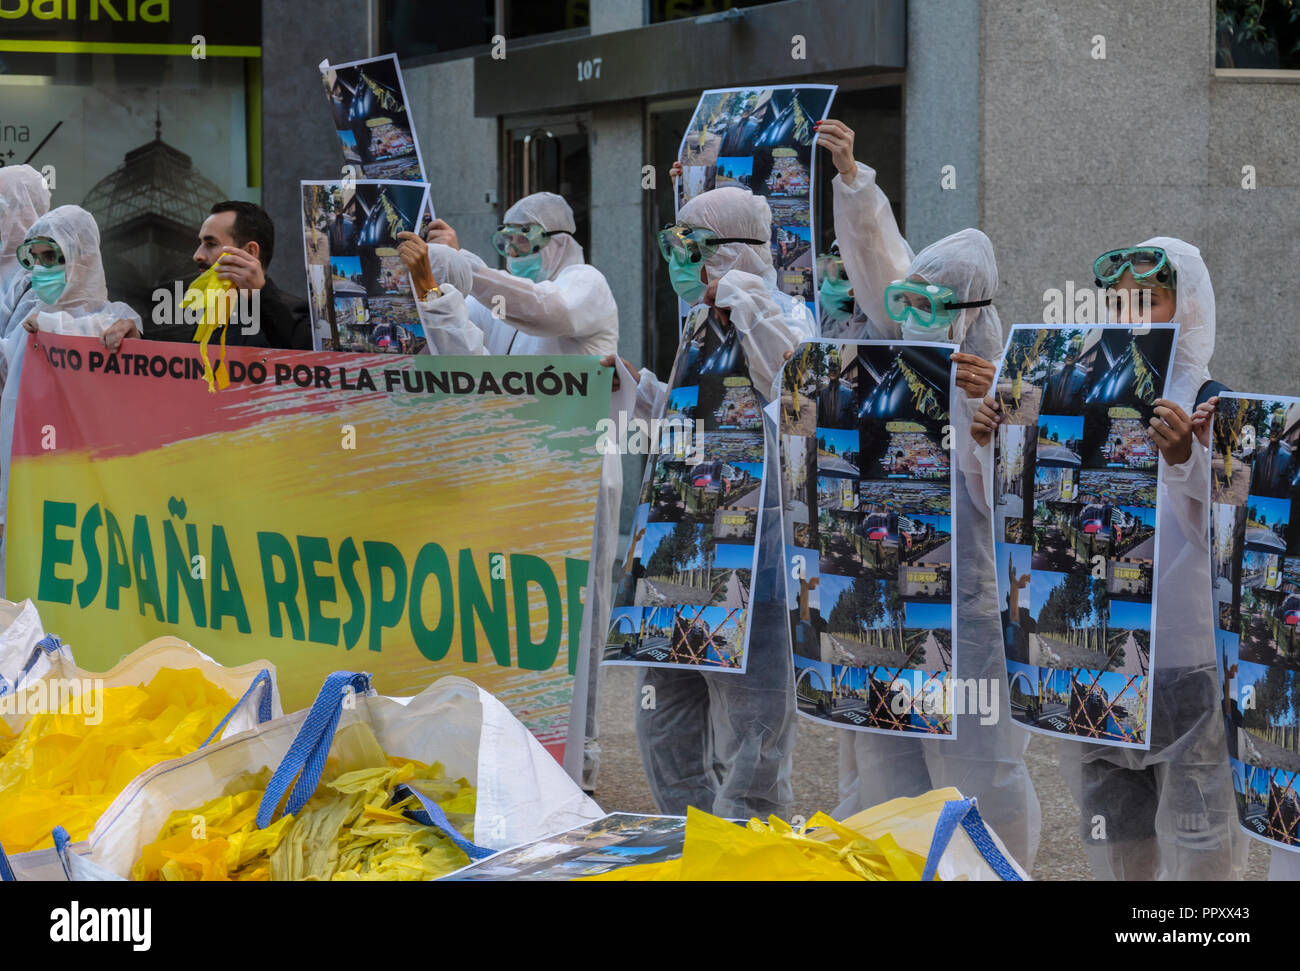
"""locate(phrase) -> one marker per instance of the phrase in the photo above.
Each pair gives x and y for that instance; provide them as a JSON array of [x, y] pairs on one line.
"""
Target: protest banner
[[867, 488], [1074, 525], [1255, 564], [412, 517]]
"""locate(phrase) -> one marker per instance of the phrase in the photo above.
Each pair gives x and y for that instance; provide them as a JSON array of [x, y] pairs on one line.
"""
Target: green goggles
[[40, 251], [695, 245], [523, 239], [927, 303], [1148, 264], [830, 266]]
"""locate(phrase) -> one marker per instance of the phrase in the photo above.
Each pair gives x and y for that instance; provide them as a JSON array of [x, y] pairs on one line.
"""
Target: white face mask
[[913, 331]]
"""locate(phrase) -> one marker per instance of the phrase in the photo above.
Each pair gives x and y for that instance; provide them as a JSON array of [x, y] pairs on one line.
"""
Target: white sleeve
[[973, 460], [446, 324], [1187, 488], [651, 396], [767, 329], [577, 303], [875, 253]]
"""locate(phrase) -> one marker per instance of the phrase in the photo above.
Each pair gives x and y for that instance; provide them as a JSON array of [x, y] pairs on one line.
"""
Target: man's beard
[[203, 265]]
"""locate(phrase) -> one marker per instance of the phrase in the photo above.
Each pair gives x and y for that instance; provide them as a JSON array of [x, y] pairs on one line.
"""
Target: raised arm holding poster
[[1255, 563], [1074, 525], [867, 489], [412, 517]]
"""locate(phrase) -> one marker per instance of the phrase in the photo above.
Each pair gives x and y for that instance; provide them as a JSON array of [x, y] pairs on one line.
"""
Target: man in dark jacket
[[242, 236]]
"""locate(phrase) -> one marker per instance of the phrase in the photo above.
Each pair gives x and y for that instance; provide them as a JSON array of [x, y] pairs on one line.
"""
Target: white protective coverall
[[1169, 813], [986, 761], [571, 311], [724, 742], [82, 309], [24, 198]]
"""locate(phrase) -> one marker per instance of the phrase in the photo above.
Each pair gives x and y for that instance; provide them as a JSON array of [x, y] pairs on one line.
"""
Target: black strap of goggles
[[719, 240], [969, 303]]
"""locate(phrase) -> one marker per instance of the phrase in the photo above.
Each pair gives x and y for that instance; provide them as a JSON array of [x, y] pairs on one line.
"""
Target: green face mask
[[528, 267], [836, 299], [685, 278]]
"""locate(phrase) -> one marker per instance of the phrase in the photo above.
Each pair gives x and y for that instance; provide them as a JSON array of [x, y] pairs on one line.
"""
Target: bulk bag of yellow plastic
[[72, 740], [358, 786], [938, 835]]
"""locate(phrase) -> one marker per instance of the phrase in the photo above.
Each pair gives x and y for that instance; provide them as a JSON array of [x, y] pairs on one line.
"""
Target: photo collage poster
[[761, 139], [368, 102], [1255, 565], [1074, 525], [684, 596], [359, 290], [867, 489]]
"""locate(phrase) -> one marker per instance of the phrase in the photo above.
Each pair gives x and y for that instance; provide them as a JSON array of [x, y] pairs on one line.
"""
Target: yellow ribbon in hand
[[216, 297]]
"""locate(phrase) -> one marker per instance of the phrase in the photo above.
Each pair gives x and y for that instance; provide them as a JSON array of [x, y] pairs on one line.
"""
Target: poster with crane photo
[[761, 139], [1074, 525], [1255, 565], [869, 525], [359, 291]]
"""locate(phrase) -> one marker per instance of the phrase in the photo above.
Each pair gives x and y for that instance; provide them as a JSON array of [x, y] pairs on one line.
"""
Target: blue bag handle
[[431, 814], [49, 644], [962, 812], [6, 871], [263, 706], [305, 760], [61, 843]]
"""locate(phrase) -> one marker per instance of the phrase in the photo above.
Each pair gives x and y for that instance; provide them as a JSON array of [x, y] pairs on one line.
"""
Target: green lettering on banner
[[227, 598], [119, 564], [180, 574], [319, 589], [575, 582], [432, 561], [281, 592], [88, 587], [526, 569], [348, 559], [384, 611], [492, 614], [56, 552], [146, 569]]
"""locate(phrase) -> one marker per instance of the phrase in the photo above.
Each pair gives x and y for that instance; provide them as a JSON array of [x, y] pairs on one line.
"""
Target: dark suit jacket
[[283, 321]]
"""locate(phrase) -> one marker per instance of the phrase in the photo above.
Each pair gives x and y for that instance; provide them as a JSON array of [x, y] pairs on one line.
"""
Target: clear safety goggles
[[830, 266], [695, 245], [929, 304], [520, 239], [34, 252], [1148, 264]]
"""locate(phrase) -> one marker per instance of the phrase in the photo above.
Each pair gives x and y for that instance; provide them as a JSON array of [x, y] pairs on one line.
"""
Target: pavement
[[622, 786]]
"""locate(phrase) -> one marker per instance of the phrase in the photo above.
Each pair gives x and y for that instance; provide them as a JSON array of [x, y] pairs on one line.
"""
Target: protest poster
[[684, 596], [1074, 525], [412, 517], [1255, 564], [359, 290], [368, 102], [867, 489], [761, 139], [609, 843]]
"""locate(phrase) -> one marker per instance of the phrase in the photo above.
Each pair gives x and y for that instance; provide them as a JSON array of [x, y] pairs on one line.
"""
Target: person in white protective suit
[[1167, 813], [70, 296], [724, 742], [986, 761], [24, 197], [550, 302]]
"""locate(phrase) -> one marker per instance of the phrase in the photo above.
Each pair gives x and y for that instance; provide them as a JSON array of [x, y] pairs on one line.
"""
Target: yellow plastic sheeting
[[715, 849], [62, 770], [351, 829]]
